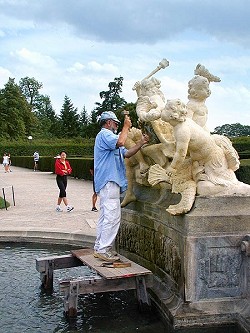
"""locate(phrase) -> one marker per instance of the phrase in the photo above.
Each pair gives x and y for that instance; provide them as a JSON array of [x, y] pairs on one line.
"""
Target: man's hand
[[127, 122], [144, 139]]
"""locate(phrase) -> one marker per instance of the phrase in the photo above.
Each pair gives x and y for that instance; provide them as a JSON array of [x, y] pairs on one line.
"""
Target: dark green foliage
[[30, 89], [131, 107], [84, 148], [48, 121], [17, 120], [241, 144], [2, 203], [232, 130], [69, 120], [243, 173], [80, 166], [111, 98]]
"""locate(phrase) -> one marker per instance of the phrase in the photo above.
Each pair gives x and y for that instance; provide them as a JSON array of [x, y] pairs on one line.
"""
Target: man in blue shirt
[[110, 179]]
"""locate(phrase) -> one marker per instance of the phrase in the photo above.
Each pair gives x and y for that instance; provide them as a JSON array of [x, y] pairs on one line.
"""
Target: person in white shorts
[[110, 179]]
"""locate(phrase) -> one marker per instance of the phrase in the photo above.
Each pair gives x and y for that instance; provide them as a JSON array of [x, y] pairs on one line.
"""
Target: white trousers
[[110, 217]]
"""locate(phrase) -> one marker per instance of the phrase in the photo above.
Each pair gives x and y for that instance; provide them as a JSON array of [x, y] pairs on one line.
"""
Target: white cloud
[[76, 48], [34, 58], [4, 76]]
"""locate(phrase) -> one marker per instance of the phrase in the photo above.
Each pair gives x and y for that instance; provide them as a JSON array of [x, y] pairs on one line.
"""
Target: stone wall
[[201, 273]]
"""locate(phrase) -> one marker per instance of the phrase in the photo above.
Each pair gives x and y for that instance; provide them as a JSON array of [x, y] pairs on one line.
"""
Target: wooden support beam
[[47, 276], [97, 284], [141, 292], [59, 262], [103, 279], [47, 265]]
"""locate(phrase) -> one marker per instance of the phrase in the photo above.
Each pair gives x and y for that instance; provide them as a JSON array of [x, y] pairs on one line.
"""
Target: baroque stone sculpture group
[[182, 156]]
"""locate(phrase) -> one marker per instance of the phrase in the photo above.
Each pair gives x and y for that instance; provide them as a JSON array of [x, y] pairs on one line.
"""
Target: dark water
[[25, 308]]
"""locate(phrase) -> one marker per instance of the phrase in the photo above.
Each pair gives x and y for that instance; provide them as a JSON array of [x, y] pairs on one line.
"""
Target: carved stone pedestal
[[200, 261]]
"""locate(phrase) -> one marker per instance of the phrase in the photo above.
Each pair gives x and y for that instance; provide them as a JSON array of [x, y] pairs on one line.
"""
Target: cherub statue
[[211, 169], [198, 92], [150, 104]]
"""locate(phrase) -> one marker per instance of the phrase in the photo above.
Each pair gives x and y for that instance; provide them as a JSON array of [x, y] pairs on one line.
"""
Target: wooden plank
[[59, 262], [86, 256], [101, 285]]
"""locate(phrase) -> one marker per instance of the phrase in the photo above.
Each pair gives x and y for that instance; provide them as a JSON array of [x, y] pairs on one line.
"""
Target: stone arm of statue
[[137, 88]]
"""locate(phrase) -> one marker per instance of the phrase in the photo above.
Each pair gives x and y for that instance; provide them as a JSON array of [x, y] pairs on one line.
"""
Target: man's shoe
[[59, 209], [106, 256], [69, 208], [94, 209]]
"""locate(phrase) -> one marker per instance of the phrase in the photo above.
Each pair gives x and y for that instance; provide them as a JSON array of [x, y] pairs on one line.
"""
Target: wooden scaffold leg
[[142, 294], [71, 299], [47, 276]]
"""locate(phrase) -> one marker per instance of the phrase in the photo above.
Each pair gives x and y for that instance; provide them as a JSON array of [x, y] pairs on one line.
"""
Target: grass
[[2, 205]]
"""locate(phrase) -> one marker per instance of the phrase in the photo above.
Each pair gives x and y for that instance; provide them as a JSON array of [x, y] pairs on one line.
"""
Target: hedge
[[80, 166], [83, 149]]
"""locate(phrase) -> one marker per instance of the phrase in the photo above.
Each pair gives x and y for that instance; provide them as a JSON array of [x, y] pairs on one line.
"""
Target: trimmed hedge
[[84, 149], [243, 173], [241, 144], [80, 166]]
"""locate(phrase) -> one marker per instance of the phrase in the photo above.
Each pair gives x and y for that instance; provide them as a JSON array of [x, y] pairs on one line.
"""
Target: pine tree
[[69, 119]]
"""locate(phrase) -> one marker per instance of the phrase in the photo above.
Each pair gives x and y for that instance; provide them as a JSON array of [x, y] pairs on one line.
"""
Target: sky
[[76, 47]]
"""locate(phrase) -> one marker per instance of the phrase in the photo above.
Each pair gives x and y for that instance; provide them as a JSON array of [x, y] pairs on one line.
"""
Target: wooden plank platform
[[86, 256]]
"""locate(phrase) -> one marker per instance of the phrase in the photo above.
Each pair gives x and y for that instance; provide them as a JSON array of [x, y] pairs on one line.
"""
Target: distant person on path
[[36, 160], [6, 163], [62, 170], [9, 162], [110, 180], [94, 196]]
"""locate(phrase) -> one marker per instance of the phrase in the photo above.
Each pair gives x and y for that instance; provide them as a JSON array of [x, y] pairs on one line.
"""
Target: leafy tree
[[69, 119], [17, 120], [131, 108], [30, 88], [48, 122], [112, 101], [233, 130]]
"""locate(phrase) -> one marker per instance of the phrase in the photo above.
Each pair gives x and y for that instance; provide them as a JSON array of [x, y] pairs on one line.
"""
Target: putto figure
[[187, 157]]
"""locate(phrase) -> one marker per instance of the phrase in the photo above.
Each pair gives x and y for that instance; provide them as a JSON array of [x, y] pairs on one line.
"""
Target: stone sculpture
[[187, 157]]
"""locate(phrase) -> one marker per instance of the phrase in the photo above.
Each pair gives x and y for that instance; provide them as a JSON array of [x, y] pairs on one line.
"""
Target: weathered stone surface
[[200, 260]]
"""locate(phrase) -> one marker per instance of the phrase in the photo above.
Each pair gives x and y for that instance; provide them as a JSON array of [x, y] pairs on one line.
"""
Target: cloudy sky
[[76, 47]]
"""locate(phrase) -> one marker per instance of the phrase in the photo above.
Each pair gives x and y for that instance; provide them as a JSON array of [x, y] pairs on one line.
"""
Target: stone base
[[201, 260]]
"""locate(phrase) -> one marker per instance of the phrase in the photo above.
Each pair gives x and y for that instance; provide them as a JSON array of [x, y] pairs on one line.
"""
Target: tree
[[30, 88], [69, 119], [232, 130], [17, 120], [111, 98], [84, 123], [48, 121]]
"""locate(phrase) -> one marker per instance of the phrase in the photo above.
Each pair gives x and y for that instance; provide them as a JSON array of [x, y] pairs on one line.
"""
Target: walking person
[[9, 162], [6, 163], [36, 160], [110, 180], [94, 196], [62, 170]]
